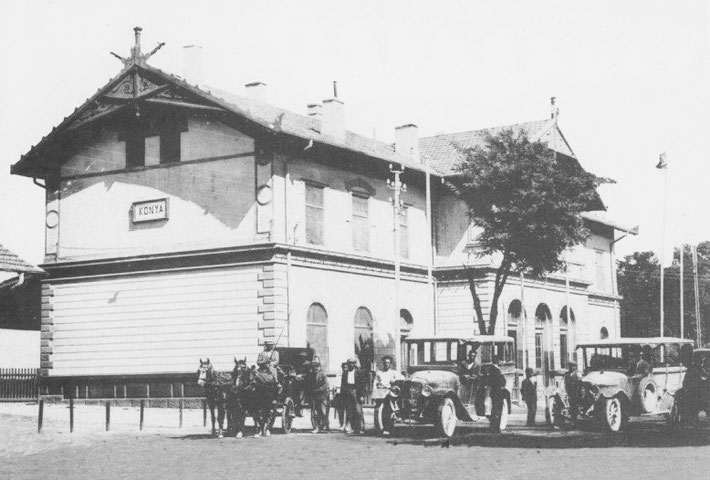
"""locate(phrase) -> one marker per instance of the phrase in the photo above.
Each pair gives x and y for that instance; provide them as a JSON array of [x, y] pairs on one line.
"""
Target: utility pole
[[398, 187]]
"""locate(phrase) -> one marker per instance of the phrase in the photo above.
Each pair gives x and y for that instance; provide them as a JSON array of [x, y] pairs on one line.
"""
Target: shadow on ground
[[637, 436]]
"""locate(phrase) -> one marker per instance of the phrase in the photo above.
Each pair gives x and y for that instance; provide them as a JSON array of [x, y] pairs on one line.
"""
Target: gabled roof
[[442, 151], [139, 82], [9, 262]]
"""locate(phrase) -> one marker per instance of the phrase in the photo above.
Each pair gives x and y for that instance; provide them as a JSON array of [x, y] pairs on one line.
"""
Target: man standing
[[383, 382], [572, 389], [529, 392], [353, 391], [496, 381], [318, 390], [268, 358]]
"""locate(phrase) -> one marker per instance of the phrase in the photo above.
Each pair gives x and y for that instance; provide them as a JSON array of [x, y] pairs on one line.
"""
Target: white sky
[[631, 79]]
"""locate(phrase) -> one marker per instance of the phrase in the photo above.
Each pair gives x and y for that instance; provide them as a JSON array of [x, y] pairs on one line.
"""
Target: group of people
[[470, 371]]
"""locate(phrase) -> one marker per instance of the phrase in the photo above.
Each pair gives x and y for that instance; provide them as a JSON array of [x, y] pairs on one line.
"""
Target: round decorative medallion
[[52, 219], [263, 195]]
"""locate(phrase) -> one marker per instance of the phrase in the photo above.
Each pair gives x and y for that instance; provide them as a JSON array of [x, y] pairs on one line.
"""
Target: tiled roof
[[442, 151], [310, 128], [9, 262]]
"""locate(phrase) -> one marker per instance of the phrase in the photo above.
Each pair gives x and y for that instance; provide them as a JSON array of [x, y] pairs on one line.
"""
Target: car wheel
[[613, 414], [447, 419], [289, 411]]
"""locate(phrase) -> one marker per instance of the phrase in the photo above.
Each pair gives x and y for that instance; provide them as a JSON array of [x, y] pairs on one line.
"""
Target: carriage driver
[[268, 358]]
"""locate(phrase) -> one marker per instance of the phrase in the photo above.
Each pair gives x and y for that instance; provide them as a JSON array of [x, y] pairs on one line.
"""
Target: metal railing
[[18, 384]]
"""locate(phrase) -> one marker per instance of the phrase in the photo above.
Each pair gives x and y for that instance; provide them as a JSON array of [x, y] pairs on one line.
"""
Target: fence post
[[142, 409], [71, 414], [204, 413], [108, 415], [40, 417], [181, 407]]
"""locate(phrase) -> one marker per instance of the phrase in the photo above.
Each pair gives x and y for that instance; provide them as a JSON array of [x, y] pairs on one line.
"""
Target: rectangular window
[[135, 148], [538, 351], [600, 266], [404, 232], [515, 357], [361, 224], [170, 146], [563, 350], [314, 214]]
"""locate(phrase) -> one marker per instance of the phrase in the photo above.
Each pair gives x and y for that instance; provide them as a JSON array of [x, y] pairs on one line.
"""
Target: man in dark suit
[[529, 394], [353, 391]]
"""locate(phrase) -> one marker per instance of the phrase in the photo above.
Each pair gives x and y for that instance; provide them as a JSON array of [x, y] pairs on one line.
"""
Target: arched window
[[567, 323], [364, 338], [317, 332], [515, 313], [406, 322], [603, 333], [544, 358]]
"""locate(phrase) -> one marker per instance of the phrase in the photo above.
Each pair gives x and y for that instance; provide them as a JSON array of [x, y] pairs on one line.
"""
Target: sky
[[631, 80]]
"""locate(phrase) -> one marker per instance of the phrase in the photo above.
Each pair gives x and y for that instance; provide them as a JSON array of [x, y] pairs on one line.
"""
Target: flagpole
[[662, 165], [682, 319]]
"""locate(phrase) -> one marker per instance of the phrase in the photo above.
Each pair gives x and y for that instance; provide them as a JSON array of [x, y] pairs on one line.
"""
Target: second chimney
[[192, 64], [333, 121], [406, 141], [256, 91]]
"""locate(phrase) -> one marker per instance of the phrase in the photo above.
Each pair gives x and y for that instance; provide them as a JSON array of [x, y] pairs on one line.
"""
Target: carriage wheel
[[289, 412]]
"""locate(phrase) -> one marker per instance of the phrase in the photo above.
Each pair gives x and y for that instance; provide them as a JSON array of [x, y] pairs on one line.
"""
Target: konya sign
[[149, 210]]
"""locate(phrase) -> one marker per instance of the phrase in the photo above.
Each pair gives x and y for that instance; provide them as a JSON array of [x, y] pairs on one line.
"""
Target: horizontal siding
[[455, 306], [154, 322]]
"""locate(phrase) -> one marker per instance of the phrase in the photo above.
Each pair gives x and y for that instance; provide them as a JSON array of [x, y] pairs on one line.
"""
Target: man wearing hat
[[572, 382], [268, 358], [353, 392], [528, 390], [318, 389]]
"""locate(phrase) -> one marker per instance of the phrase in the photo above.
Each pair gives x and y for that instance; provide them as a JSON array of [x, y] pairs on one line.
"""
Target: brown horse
[[220, 390]]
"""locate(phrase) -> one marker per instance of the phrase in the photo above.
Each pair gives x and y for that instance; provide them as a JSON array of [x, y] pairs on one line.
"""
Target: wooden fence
[[18, 384]]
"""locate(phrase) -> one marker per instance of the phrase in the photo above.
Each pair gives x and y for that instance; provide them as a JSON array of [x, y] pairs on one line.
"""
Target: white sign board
[[150, 210]]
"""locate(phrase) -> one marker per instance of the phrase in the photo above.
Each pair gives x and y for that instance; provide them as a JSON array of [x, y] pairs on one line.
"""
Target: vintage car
[[437, 391], [622, 378], [694, 396]]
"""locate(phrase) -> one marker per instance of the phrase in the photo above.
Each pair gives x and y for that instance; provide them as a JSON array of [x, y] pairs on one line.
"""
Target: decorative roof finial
[[136, 51], [136, 56]]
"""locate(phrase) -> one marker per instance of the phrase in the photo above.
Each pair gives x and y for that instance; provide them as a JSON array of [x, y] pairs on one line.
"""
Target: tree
[[639, 283], [526, 201]]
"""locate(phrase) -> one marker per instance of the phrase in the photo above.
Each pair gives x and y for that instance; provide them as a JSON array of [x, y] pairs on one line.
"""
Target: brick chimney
[[256, 91], [406, 141], [192, 64]]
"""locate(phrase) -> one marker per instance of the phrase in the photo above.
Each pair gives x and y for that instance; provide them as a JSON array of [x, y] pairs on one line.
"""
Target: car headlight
[[427, 391]]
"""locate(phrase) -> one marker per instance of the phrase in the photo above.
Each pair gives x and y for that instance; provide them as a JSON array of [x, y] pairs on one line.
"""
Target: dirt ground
[[163, 450]]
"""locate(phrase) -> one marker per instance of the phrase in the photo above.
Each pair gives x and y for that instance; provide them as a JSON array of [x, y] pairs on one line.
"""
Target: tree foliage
[[639, 283], [526, 202]]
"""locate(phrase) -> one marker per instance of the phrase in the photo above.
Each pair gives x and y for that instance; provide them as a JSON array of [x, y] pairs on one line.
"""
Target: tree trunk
[[501, 278], [476, 301]]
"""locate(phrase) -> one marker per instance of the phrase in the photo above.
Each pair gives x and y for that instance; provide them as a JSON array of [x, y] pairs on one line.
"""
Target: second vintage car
[[439, 390], [622, 378]]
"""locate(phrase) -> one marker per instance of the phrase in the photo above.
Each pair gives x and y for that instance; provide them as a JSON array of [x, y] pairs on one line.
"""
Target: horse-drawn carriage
[[248, 391]]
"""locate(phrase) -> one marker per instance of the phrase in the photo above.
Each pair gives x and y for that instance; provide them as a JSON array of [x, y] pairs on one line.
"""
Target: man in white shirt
[[384, 378]]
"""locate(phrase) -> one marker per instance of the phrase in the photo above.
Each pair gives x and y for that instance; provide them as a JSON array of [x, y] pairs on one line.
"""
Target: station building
[[184, 222]]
